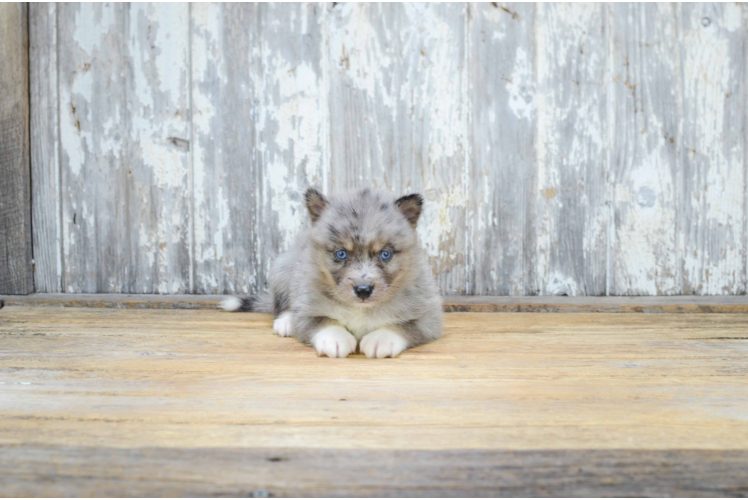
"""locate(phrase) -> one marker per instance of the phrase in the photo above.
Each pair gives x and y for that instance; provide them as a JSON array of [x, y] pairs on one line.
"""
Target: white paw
[[334, 342], [282, 325], [383, 343]]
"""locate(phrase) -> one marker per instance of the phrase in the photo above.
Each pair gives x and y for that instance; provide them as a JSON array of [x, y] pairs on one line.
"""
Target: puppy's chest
[[359, 323]]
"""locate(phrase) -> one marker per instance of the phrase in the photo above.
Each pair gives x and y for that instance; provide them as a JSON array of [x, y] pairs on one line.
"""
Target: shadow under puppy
[[357, 275]]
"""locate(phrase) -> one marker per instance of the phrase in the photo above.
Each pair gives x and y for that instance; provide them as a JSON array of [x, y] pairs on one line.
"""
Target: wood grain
[[715, 94], [63, 471], [118, 378], [45, 165], [225, 166], [158, 146], [16, 271], [646, 253], [571, 196], [94, 138], [503, 175], [205, 402], [124, 143]]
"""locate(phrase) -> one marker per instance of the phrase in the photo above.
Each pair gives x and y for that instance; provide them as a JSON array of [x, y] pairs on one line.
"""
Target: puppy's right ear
[[316, 203], [410, 206]]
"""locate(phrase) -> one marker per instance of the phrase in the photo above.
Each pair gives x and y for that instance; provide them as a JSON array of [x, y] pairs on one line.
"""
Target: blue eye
[[385, 255], [341, 254]]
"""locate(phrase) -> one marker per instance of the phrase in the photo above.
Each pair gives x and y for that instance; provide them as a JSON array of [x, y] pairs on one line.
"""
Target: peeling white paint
[[630, 108], [714, 260], [296, 117], [360, 55], [211, 215], [93, 23], [521, 98]]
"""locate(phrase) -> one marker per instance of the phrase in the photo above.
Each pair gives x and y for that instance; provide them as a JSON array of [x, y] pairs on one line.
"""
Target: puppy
[[358, 275]]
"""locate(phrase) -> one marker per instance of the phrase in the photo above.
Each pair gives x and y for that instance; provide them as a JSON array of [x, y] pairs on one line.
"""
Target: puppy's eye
[[385, 255], [341, 254]]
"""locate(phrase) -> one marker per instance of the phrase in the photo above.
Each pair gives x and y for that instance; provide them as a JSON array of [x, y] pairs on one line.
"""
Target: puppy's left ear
[[316, 203], [410, 206]]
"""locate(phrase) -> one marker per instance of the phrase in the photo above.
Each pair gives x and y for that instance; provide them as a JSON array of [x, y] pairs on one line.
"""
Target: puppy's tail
[[261, 303]]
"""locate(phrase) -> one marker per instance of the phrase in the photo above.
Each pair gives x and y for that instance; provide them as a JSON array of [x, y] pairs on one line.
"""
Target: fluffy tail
[[261, 303]]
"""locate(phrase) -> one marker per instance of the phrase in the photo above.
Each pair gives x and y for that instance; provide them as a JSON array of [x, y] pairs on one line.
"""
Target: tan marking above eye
[[388, 247], [377, 247], [347, 246]]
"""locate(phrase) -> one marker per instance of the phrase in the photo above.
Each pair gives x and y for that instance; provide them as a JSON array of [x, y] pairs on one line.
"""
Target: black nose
[[363, 291]]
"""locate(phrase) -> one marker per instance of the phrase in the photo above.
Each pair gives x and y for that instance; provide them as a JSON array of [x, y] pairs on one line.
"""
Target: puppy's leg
[[389, 341], [283, 324], [328, 337]]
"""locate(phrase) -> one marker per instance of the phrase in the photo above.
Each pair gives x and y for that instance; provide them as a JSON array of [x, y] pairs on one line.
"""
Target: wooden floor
[[119, 402]]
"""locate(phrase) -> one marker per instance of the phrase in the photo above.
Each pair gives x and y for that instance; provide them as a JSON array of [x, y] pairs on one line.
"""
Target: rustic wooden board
[[571, 212], [45, 165], [205, 402], [65, 471], [94, 138], [124, 145], [158, 146], [16, 271], [503, 167], [715, 96], [225, 172], [646, 166]]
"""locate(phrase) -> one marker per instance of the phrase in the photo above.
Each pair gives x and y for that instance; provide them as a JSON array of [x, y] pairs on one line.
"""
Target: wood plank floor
[[198, 402]]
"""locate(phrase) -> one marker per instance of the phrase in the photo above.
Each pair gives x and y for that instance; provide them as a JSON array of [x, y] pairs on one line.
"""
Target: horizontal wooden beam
[[63, 471], [453, 303]]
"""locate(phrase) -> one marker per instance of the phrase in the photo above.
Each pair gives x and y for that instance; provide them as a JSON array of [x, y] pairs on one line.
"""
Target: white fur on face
[[383, 343], [363, 224], [282, 325], [334, 342]]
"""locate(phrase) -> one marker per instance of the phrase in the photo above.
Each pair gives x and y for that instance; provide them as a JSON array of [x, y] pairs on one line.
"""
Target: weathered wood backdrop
[[563, 149]]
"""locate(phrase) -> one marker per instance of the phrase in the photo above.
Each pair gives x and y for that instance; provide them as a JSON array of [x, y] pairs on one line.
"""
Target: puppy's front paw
[[282, 325], [334, 342], [383, 343]]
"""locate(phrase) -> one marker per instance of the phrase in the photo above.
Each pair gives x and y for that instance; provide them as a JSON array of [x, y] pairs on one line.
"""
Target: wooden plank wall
[[563, 149], [16, 273]]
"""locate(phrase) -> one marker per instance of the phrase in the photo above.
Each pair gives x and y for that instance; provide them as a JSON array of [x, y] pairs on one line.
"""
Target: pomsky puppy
[[357, 275]]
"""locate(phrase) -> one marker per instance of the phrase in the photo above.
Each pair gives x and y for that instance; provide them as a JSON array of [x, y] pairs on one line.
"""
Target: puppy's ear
[[316, 203], [410, 206]]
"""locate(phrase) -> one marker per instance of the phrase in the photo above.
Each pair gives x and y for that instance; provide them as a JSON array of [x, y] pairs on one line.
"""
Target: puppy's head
[[364, 244]]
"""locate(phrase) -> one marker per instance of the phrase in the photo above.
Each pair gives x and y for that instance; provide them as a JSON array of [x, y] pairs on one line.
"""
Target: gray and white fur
[[357, 278]]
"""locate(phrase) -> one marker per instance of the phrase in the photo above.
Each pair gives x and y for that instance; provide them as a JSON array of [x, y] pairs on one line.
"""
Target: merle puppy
[[357, 275]]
